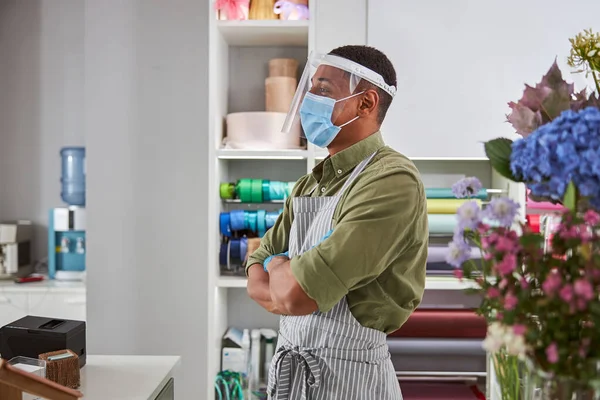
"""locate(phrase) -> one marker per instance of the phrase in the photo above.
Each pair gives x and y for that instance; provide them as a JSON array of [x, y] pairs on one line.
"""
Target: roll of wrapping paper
[[446, 206], [244, 190], [227, 190], [439, 253], [442, 223], [443, 324], [240, 220], [224, 224], [543, 206], [446, 193], [533, 220]]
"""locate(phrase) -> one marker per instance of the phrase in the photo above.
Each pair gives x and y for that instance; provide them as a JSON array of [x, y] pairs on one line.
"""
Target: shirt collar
[[350, 157]]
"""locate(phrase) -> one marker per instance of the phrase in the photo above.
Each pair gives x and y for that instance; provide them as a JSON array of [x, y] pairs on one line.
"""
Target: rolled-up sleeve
[[380, 220]]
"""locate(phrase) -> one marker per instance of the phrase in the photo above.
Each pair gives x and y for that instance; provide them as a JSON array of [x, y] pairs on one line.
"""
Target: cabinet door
[[13, 306], [58, 305], [459, 62], [338, 23]]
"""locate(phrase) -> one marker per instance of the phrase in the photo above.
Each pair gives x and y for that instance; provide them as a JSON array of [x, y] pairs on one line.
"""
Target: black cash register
[[31, 336]]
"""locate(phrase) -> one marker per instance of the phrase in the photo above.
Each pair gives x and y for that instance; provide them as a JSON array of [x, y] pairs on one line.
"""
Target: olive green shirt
[[377, 253]]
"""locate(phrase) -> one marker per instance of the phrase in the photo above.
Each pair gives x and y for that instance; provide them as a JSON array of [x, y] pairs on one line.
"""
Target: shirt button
[[322, 190], [339, 171]]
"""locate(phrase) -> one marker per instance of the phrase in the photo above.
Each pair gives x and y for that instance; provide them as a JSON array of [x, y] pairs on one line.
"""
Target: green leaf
[[498, 151], [570, 197]]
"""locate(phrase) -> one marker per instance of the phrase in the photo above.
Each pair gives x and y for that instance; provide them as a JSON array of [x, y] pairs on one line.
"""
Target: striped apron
[[328, 356]]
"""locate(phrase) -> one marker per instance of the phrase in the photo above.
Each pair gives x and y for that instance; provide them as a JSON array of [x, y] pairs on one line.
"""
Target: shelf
[[264, 33], [432, 283], [238, 201], [231, 282], [234, 154], [321, 155]]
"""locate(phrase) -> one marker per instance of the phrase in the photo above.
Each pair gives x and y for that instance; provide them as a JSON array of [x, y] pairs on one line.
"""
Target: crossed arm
[[278, 291], [368, 236]]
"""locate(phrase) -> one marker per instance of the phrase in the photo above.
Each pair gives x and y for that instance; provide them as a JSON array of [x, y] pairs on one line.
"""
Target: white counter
[[53, 286], [126, 377]]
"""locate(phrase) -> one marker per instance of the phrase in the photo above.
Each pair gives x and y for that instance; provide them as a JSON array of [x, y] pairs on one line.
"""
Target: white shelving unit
[[238, 57]]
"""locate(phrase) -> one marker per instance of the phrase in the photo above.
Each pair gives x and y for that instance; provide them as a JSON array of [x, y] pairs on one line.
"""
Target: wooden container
[[279, 93], [262, 9], [63, 371], [283, 67]]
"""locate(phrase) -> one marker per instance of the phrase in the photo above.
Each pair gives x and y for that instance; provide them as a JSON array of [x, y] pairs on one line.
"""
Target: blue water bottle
[[73, 176]]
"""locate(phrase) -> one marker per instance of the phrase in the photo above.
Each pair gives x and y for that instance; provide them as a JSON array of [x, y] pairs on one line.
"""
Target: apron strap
[[286, 360]]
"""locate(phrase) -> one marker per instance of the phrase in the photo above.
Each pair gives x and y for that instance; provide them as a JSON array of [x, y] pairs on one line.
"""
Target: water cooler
[[67, 224]]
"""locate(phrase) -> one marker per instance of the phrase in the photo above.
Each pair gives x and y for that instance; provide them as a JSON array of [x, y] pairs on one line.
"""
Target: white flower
[[515, 344], [495, 338], [592, 53], [500, 336]]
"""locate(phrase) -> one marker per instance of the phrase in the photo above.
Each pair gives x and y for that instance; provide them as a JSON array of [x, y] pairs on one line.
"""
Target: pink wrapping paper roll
[[542, 205]]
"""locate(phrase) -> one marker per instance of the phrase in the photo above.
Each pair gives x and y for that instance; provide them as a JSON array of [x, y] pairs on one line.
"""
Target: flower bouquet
[[541, 291]]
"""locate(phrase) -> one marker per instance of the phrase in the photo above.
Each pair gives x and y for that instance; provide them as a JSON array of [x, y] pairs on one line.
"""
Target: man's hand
[[287, 295], [258, 288]]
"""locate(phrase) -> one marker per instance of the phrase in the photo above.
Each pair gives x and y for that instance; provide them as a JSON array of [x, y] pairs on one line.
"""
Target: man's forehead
[[328, 72]]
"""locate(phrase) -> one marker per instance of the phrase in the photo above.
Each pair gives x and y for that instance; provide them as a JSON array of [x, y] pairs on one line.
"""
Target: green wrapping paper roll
[[257, 191], [442, 223], [244, 190], [446, 206], [227, 191], [446, 193]]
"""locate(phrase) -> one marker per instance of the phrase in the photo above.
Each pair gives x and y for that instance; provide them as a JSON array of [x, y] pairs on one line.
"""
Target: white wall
[[41, 104], [146, 92]]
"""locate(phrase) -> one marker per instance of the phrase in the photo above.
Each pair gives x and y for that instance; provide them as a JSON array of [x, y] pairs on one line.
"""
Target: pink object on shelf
[[439, 391], [542, 205], [232, 9], [289, 10]]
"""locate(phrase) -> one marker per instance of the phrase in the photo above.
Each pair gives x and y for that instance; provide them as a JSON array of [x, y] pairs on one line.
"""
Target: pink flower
[[524, 283], [483, 228], [505, 245], [519, 329], [566, 293], [591, 217], [552, 353], [503, 284], [583, 289], [510, 301], [552, 283], [507, 265], [458, 273], [488, 256], [493, 292]]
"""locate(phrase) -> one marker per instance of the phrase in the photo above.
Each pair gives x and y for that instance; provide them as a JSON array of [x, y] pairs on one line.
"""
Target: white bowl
[[260, 130]]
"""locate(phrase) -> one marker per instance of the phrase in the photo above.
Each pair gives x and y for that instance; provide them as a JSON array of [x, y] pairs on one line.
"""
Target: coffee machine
[[66, 243], [15, 249]]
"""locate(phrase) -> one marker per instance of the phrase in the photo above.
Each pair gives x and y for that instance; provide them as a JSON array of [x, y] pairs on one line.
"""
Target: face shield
[[325, 99]]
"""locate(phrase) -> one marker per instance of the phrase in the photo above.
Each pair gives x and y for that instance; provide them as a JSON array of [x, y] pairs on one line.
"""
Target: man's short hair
[[376, 61]]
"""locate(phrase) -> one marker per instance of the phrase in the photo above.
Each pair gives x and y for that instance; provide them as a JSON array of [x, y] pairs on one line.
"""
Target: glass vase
[[540, 385]]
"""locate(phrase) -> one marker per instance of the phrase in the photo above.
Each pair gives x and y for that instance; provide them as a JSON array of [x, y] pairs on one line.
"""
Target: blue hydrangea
[[564, 150]]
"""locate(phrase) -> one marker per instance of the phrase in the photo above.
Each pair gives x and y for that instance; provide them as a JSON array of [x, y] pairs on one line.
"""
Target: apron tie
[[280, 383]]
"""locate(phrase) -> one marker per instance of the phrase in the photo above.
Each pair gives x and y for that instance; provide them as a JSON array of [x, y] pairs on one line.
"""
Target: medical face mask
[[315, 116]]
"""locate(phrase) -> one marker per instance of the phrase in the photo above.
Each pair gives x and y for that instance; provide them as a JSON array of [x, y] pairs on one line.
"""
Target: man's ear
[[368, 103]]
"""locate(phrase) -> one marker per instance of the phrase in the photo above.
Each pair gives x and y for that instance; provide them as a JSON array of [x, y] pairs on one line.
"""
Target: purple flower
[[459, 252], [466, 187], [469, 215], [502, 210]]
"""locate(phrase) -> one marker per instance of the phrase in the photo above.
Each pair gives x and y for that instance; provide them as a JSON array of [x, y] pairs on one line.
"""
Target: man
[[344, 265]]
